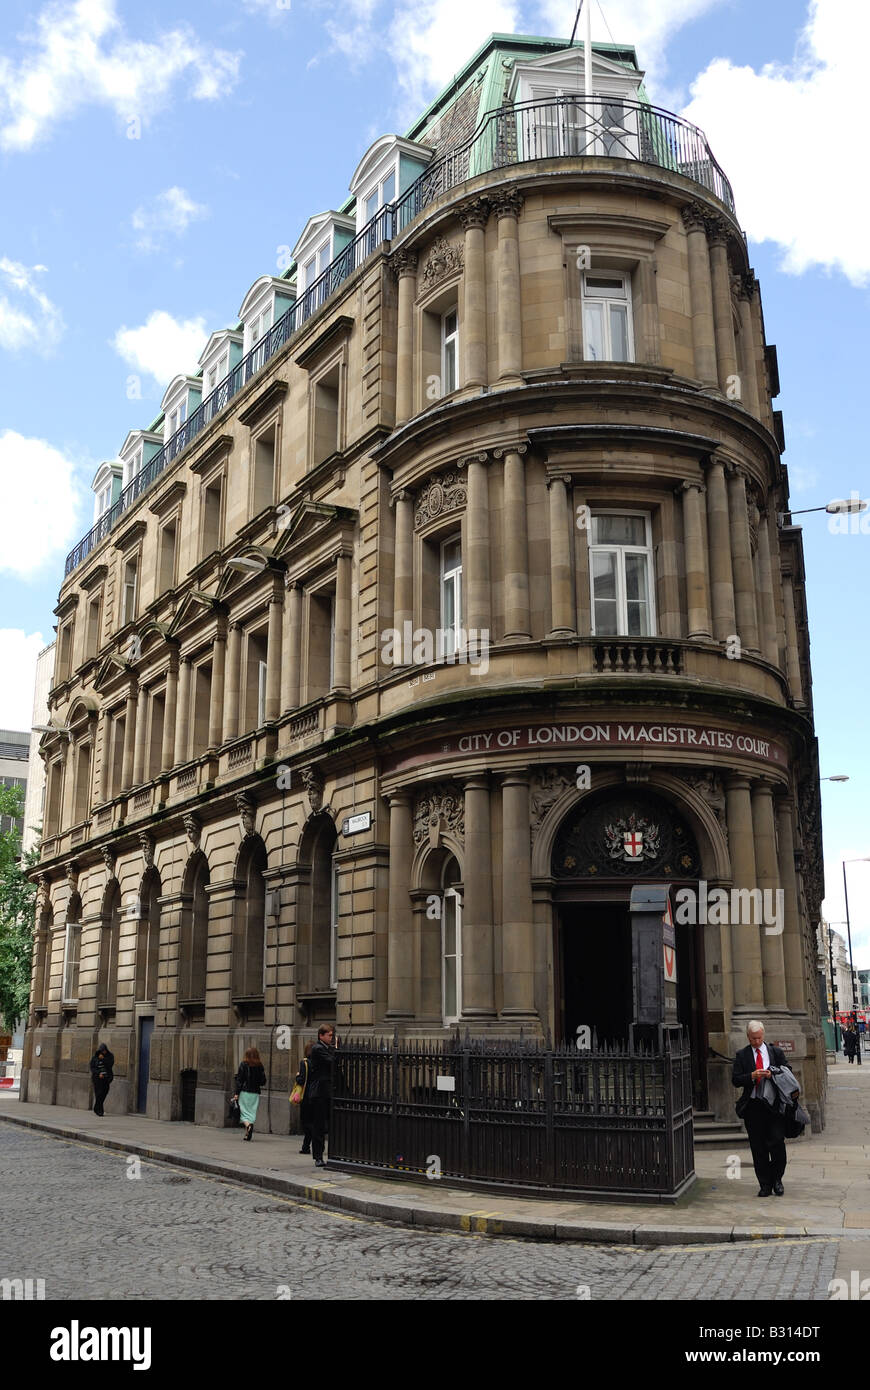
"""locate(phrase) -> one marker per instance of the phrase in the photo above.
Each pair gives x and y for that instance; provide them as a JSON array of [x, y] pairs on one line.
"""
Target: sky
[[155, 160]]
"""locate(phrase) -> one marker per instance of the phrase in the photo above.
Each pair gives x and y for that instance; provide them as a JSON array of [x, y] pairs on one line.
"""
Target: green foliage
[[17, 906]]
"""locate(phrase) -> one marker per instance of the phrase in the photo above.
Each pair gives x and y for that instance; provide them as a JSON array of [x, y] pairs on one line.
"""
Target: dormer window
[[176, 418], [107, 488], [387, 167], [182, 397], [221, 354], [217, 373], [322, 242], [266, 302], [316, 264], [383, 192]]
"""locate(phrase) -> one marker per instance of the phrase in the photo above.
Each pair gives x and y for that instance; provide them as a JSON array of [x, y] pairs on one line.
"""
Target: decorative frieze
[[548, 784], [193, 828], [312, 780], [708, 785], [447, 493], [109, 859], [246, 808], [437, 810], [444, 258], [146, 844]]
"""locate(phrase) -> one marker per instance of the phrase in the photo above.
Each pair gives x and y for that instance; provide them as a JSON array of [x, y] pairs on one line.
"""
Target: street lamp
[[839, 778], [863, 859], [838, 506]]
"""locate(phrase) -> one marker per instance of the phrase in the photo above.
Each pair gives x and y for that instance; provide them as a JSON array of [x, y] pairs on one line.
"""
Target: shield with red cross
[[632, 841]]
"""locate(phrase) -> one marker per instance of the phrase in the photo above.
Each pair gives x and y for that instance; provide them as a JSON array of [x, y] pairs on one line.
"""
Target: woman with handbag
[[299, 1096], [250, 1079]]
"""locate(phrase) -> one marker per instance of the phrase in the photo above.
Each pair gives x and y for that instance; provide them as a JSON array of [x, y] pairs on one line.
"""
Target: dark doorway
[[146, 1028], [596, 970], [188, 1096]]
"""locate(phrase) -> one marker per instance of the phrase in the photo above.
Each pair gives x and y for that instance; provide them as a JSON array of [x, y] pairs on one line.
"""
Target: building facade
[[453, 595], [34, 797]]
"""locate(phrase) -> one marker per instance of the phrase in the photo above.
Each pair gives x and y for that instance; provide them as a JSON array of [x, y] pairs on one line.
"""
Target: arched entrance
[[607, 843]]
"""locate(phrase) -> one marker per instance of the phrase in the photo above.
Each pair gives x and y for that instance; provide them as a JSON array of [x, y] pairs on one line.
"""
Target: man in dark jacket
[[101, 1075], [756, 1108], [319, 1090]]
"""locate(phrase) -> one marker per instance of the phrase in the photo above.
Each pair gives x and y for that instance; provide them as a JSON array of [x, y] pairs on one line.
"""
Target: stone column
[[341, 659], [745, 940], [232, 682], [765, 409], [669, 568], [274, 654], [721, 577], [403, 577], [474, 217], [216, 694], [744, 285], [769, 644], [400, 944], [475, 561], [767, 879], [697, 593], [741, 559], [292, 669], [517, 615], [182, 712], [167, 750], [404, 265], [795, 984], [701, 295], [129, 742], [518, 930], [792, 649], [561, 582], [726, 348], [105, 756], [478, 983], [648, 315], [510, 324], [141, 730]]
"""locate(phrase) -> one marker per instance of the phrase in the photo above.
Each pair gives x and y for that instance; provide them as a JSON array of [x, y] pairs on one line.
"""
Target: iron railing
[[560, 127], [614, 1119]]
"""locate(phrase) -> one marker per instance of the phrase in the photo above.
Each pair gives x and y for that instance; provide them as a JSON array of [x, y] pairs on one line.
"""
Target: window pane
[[449, 925], [448, 604], [451, 555], [593, 331], [618, 530], [388, 189], [450, 323], [636, 577], [450, 1008], [606, 285], [605, 618], [604, 574], [638, 620], [449, 367], [619, 333], [371, 205]]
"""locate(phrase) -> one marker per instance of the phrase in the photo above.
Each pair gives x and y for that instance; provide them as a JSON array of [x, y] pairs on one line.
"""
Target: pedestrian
[[101, 1075], [250, 1079], [321, 1061], [756, 1107], [301, 1090], [850, 1043]]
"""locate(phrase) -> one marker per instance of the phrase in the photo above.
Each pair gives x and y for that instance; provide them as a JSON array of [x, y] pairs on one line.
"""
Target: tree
[[17, 907]]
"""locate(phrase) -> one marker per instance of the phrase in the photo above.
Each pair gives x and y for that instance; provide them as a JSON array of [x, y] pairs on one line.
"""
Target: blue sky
[[119, 254]]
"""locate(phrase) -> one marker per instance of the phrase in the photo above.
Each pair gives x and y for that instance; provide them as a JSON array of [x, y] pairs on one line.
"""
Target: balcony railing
[[558, 128]]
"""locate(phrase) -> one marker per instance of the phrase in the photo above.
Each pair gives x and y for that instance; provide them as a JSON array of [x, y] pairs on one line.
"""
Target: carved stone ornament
[[694, 217], [109, 859], [708, 785], [448, 493], [436, 810], [508, 204], [548, 784], [403, 263], [193, 829], [146, 844], [475, 213], [246, 809], [444, 258], [42, 893], [312, 780], [72, 877]]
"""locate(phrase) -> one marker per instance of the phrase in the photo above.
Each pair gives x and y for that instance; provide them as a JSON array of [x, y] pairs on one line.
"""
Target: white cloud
[[272, 9], [162, 346], [430, 41], [78, 55], [40, 501], [18, 653], [28, 319], [168, 214], [790, 140]]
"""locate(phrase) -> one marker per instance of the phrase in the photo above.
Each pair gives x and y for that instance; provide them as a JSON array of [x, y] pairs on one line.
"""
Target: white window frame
[[333, 924], [262, 678], [176, 417], [104, 500], [621, 552], [69, 960], [456, 896], [452, 576], [132, 466], [130, 591], [377, 191], [215, 375], [605, 300], [317, 262], [448, 341]]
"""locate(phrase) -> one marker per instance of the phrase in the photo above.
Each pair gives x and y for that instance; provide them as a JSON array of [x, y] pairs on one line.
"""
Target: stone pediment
[[109, 669], [310, 521], [191, 610]]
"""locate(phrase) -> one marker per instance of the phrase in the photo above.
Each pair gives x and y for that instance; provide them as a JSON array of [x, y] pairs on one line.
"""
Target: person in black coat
[[756, 1108], [319, 1089], [250, 1080], [102, 1076], [850, 1043]]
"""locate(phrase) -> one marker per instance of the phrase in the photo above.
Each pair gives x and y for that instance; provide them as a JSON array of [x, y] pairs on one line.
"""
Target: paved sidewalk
[[827, 1191]]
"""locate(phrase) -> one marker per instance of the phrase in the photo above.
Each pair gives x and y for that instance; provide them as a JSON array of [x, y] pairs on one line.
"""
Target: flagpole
[[587, 74]]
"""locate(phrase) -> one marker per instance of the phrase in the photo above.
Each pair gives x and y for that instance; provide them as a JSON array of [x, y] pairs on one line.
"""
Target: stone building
[[453, 594]]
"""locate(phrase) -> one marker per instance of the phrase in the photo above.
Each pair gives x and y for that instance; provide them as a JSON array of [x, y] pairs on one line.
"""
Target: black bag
[[235, 1114]]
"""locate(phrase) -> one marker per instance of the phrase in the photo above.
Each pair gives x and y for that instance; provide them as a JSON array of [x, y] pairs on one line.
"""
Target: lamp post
[[847, 505], [863, 859]]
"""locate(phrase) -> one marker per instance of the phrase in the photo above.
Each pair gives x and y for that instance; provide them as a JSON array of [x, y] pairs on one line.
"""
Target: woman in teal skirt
[[250, 1079]]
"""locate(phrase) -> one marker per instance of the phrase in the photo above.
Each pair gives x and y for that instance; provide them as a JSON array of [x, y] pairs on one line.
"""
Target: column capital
[[483, 456], [403, 263], [748, 286], [736, 470], [694, 217], [508, 204], [714, 460], [290, 585], [566, 478], [718, 231], [688, 484], [474, 213], [401, 796], [737, 782], [762, 786], [479, 781], [403, 494], [506, 449], [515, 777], [341, 552]]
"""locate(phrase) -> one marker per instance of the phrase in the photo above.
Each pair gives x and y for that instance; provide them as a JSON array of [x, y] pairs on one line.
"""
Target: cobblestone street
[[77, 1220]]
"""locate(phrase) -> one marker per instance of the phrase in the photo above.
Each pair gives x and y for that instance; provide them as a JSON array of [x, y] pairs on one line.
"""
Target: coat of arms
[[633, 839]]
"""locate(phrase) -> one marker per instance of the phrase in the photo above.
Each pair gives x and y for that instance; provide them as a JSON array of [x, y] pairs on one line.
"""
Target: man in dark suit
[[755, 1107], [320, 1067]]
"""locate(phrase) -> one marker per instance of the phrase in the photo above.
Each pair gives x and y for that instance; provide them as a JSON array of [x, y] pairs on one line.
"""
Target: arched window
[[451, 943], [148, 940], [249, 936], [194, 934], [107, 980]]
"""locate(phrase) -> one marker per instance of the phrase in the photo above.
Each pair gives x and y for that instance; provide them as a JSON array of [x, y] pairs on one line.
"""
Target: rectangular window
[[451, 955], [451, 594], [321, 628], [92, 633], [212, 516], [166, 563], [155, 736], [333, 929], [71, 956], [83, 784], [607, 329], [201, 708], [263, 484], [325, 408], [132, 466], [129, 592], [621, 569], [254, 707], [217, 373], [64, 657], [449, 351], [176, 418], [262, 676]]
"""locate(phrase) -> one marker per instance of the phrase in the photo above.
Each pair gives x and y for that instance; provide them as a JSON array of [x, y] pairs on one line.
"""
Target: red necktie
[[758, 1067]]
